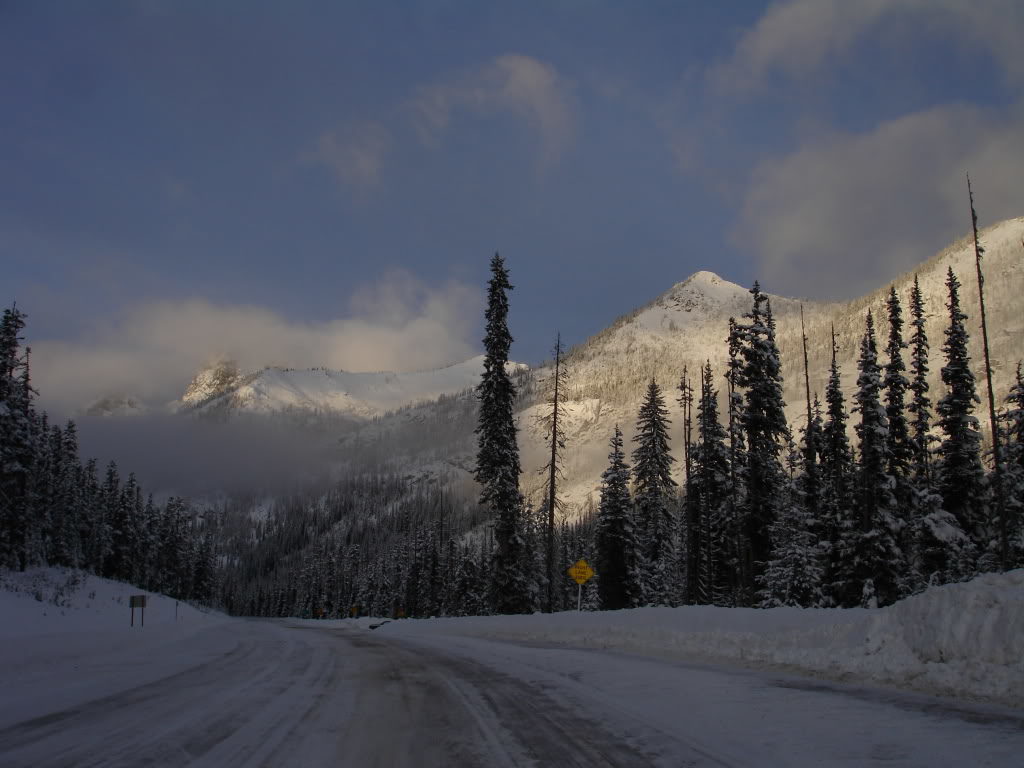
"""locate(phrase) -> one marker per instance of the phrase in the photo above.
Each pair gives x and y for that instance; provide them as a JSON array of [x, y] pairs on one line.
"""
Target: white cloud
[[151, 351], [355, 153], [844, 212], [848, 211], [796, 38], [527, 88]]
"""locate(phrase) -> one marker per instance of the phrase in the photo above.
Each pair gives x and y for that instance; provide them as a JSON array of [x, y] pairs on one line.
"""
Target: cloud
[[796, 38], [521, 85], [847, 212], [151, 351], [355, 153]]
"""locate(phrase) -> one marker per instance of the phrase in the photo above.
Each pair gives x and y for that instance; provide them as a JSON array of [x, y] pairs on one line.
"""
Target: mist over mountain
[[232, 428]]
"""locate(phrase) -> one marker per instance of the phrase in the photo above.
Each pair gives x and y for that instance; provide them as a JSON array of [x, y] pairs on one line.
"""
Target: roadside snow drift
[[964, 640]]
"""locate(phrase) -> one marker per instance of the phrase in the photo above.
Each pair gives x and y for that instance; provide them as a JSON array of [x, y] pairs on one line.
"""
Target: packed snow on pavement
[[661, 687]]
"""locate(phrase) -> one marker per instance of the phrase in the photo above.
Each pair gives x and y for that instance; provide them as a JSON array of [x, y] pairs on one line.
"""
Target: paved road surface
[[303, 694]]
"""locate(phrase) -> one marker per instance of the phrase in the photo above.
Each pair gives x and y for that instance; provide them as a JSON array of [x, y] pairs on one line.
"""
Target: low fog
[[180, 455], [151, 351]]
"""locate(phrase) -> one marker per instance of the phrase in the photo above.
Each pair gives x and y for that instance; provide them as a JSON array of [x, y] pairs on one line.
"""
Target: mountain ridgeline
[[804, 453]]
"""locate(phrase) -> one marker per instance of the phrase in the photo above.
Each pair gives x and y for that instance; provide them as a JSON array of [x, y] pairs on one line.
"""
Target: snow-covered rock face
[[211, 382]]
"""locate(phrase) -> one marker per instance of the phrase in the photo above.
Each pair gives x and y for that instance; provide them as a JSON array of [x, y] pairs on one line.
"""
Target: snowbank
[[43, 601], [66, 638], [964, 640]]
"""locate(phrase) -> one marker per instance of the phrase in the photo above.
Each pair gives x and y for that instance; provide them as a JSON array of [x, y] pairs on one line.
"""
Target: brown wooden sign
[[138, 601]]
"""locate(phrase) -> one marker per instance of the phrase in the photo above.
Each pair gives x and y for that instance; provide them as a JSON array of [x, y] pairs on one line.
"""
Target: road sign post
[[581, 573], [138, 601]]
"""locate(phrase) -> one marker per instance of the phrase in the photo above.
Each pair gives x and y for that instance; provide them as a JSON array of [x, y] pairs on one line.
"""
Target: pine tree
[[895, 386], [837, 481], [764, 424], [1013, 477], [873, 562], [497, 462], [794, 574], [552, 422], [735, 555], [617, 564], [939, 551], [652, 473], [962, 481], [17, 449], [920, 405], [707, 501]]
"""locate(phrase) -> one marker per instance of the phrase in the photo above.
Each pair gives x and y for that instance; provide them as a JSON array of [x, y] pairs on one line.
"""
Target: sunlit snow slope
[[360, 395]]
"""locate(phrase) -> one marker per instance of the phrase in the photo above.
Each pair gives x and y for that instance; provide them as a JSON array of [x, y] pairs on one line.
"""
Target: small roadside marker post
[[138, 601], [581, 573]]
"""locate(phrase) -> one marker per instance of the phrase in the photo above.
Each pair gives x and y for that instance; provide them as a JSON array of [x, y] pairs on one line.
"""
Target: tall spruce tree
[[709, 490], [552, 422], [497, 461], [618, 572], [920, 406], [653, 483], [873, 562], [735, 551], [900, 445], [836, 481], [937, 547], [765, 428], [962, 481], [17, 448], [895, 385]]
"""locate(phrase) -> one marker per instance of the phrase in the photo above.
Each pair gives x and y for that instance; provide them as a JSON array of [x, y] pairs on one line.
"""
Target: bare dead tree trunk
[[1004, 549]]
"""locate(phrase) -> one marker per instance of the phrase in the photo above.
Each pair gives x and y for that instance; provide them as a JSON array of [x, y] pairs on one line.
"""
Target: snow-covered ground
[[652, 687], [960, 640]]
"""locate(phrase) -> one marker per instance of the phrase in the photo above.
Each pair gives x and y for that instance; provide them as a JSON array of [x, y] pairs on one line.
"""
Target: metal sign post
[[581, 573], [138, 601]]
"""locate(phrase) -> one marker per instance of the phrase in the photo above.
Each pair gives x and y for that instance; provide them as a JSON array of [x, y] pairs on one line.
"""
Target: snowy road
[[249, 693]]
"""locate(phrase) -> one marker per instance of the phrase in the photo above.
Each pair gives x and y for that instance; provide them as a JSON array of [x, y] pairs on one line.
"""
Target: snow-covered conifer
[[836, 480], [497, 461], [765, 428], [617, 564], [870, 550], [794, 573], [653, 483], [962, 478], [707, 553]]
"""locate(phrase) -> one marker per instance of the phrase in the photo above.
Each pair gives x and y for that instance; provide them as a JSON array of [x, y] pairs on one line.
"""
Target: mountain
[[422, 424], [688, 325], [224, 390]]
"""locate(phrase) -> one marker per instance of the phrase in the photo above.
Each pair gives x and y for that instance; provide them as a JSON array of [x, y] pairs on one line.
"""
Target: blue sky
[[314, 183]]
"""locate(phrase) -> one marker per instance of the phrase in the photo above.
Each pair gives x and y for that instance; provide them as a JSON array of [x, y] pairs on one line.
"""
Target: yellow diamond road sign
[[581, 572]]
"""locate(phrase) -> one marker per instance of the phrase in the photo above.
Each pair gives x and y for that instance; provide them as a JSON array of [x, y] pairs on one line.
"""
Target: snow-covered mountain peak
[[211, 382], [704, 292], [222, 388]]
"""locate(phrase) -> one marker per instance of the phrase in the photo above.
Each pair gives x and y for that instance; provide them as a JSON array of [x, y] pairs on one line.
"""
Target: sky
[[324, 184]]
